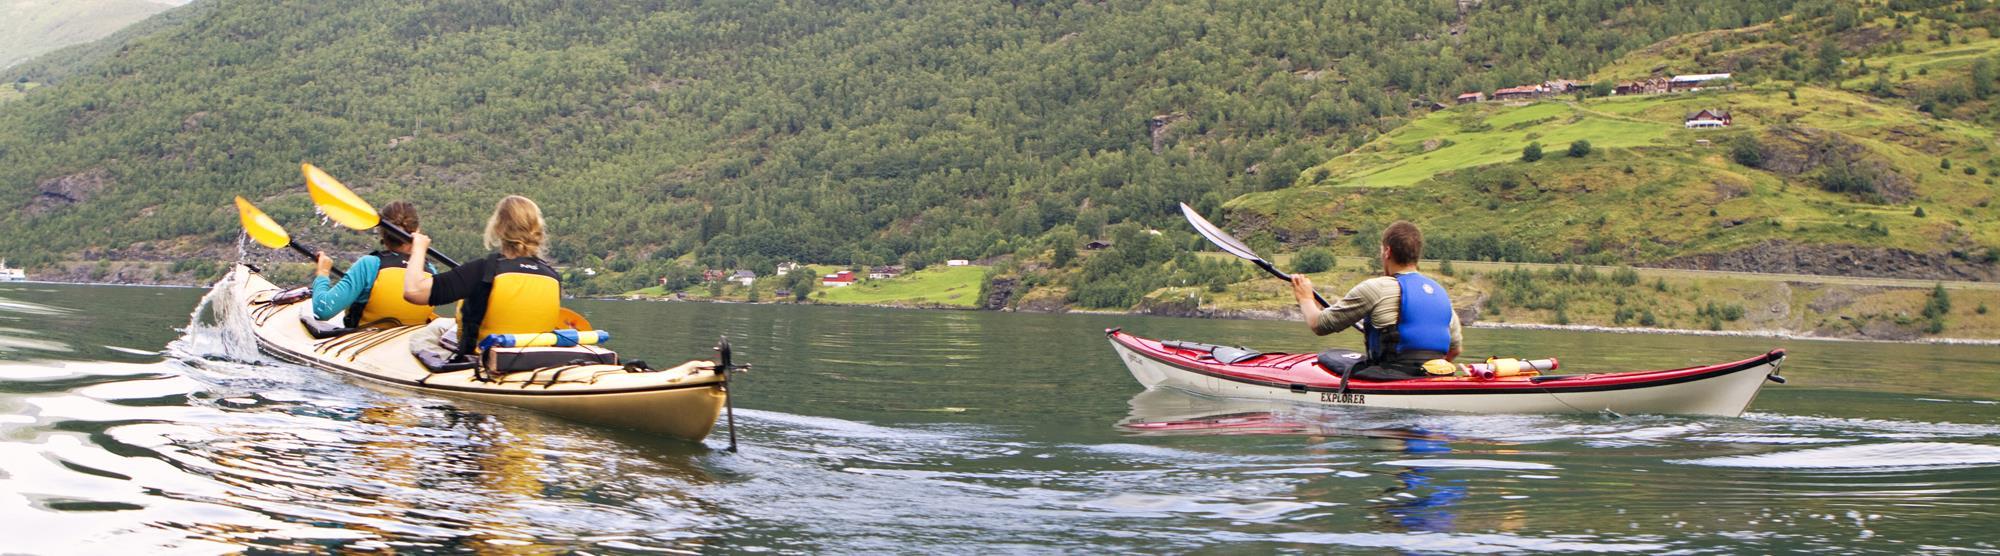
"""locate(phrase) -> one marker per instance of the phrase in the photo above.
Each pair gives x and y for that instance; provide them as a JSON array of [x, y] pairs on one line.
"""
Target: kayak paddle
[[1234, 246], [343, 206], [268, 233]]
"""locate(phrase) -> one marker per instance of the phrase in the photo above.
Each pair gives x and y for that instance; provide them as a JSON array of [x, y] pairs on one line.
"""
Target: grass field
[[1651, 190], [1478, 135], [956, 286], [11, 91]]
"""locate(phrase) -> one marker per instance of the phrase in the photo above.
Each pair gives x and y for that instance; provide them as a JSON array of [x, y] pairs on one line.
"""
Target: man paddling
[[1406, 316]]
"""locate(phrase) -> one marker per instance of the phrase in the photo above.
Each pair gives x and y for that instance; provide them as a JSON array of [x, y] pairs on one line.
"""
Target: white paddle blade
[[1216, 236]]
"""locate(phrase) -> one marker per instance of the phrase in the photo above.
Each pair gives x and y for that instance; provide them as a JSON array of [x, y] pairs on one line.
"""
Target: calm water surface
[[125, 427]]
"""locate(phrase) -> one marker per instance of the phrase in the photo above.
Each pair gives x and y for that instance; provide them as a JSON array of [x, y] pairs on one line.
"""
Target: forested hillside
[[744, 133], [31, 27]]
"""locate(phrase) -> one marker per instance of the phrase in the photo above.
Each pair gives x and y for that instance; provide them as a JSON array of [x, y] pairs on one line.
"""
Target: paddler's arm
[[1457, 339], [1342, 315], [416, 282], [331, 298]]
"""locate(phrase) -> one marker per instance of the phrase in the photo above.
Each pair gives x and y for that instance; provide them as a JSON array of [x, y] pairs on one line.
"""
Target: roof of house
[[1474, 94], [744, 274], [1699, 77], [1711, 113], [1520, 89]]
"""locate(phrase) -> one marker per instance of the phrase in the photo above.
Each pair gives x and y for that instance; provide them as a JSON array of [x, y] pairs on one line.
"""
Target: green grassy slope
[[1647, 190], [1904, 99], [32, 27], [956, 286]]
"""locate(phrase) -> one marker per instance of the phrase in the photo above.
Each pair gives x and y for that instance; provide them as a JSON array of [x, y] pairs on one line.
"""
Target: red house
[[840, 279]]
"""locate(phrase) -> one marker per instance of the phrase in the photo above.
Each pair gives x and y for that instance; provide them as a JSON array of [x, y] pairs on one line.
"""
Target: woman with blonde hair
[[511, 291]]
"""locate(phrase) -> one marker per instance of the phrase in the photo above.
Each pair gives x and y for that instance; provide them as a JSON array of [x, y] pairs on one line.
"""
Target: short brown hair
[[403, 215], [1405, 243], [516, 227]]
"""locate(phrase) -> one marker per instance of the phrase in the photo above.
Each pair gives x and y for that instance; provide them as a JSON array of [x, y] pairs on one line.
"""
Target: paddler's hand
[[1302, 288], [322, 266], [419, 243]]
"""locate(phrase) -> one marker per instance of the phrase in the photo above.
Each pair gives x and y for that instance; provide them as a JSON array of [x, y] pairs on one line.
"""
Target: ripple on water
[[1445, 542], [1461, 463], [1887, 457], [1218, 508]]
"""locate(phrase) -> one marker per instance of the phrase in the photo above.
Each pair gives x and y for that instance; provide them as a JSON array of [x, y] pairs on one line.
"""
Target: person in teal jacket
[[365, 304]]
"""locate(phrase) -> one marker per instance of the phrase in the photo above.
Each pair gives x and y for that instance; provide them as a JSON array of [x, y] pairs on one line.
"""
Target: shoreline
[[1777, 334], [113, 284], [1228, 315]]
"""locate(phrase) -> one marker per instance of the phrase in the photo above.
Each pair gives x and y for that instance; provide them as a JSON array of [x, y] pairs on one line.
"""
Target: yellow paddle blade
[[339, 202], [261, 227]]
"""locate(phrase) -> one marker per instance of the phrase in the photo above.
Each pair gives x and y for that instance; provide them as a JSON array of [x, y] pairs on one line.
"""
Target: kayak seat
[[1340, 362]]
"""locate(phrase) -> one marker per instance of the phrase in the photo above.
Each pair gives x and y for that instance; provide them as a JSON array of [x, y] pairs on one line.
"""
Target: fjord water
[[123, 427]]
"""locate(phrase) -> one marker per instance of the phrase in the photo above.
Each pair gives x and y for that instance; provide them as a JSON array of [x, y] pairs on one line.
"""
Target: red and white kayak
[[1724, 389]]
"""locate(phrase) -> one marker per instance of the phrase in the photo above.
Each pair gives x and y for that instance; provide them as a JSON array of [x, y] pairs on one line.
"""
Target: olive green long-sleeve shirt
[[1378, 299]]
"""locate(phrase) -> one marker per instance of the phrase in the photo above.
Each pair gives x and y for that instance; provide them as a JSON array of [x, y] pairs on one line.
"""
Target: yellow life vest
[[526, 299], [385, 298]]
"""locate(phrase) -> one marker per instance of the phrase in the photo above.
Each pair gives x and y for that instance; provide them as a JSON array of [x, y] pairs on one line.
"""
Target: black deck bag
[[503, 360], [1340, 362]]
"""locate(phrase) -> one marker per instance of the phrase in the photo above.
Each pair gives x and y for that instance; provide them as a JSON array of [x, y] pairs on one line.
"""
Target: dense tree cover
[[746, 133]]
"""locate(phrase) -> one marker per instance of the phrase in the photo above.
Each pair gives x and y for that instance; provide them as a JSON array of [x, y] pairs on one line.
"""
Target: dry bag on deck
[[502, 360]]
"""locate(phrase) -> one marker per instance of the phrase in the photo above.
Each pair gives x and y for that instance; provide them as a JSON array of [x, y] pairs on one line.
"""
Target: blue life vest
[[1423, 321]]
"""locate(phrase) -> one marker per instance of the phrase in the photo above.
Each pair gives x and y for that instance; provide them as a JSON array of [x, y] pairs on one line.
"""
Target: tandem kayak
[[680, 404], [1724, 389]]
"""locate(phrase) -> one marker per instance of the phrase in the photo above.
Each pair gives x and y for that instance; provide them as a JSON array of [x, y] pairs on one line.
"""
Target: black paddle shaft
[[405, 236], [1266, 265], [313, 254]]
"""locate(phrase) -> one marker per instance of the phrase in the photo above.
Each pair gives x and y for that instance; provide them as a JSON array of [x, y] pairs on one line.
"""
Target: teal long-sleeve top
[[330, 299]]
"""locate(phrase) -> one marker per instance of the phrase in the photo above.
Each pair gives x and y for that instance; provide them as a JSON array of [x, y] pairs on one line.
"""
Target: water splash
[[218, 328]]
